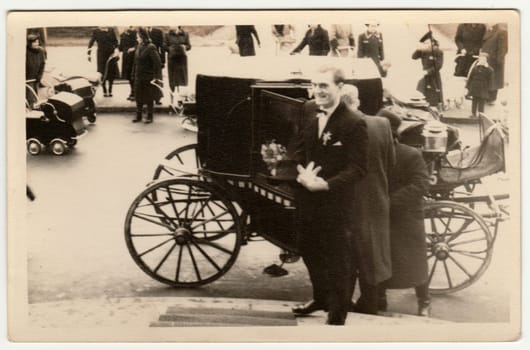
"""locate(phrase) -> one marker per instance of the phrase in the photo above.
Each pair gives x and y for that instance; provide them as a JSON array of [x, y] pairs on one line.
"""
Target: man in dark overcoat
[[317, 38], [331, 153], [468, 41], [370, 44], [495, 44], [371, 238], [127, 46], [408, 183]]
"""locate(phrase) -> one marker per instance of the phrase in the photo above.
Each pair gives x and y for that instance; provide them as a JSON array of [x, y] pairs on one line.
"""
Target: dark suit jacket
[[371, 240], [343, 159]]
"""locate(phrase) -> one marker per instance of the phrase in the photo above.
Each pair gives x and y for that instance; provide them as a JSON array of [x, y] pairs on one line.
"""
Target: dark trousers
[[327, 258], [108, 83], [477, 103], [422, 294], [139, 108]]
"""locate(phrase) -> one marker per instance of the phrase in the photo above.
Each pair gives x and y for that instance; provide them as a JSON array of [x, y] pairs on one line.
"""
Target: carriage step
[[189, 317]]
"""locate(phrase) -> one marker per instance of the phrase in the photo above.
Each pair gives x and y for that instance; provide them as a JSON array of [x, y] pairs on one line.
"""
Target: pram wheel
[[58, 147], [34, 147], [91, 118]]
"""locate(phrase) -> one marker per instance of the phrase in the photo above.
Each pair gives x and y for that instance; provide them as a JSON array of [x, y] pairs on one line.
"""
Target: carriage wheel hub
[[441, 250], [182, 235]]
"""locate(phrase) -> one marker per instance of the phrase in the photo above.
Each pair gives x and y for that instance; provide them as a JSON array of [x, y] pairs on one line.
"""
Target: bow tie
[[321, 111]]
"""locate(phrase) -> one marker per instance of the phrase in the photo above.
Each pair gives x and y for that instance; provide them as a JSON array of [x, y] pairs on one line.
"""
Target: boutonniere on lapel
[[326, 137]]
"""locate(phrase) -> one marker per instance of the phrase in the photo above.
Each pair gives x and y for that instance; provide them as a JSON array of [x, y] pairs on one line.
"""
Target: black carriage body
[[62, 119], [236, 118], [82, 88]]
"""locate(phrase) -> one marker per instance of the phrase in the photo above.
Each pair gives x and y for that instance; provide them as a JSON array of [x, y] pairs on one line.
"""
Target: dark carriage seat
[[478, 161]]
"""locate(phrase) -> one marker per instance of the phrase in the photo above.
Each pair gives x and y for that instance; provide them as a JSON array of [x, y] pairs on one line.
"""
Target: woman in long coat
[[35, 62], [127, 47], [107, 42], [495, 44], [147, 68], [176, 43], [244, 40]]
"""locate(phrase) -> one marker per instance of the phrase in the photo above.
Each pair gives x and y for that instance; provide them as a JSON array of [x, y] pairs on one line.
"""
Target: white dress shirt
[[324, 117]]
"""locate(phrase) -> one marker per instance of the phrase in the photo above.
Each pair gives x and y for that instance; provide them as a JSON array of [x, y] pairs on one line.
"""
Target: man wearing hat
[[371, 45]]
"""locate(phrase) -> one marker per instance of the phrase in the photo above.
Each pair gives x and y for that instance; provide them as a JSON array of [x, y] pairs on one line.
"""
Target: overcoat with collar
[[409, 182], [495, 44], [371, 239]]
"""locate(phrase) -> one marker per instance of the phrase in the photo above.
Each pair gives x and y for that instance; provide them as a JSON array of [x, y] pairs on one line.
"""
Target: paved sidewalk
[[190, 311]]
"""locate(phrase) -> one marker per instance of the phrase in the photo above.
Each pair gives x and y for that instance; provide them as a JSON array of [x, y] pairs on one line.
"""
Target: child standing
[[480, 82]]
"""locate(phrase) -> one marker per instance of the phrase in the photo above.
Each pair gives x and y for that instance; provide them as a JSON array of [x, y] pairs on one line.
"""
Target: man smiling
[[332, 156]]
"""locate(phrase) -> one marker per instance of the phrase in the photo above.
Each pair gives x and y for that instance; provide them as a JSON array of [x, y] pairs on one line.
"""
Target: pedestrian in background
[[432, 59], [35, 62], [176, 43], [468, 41], [370, 44], [157, 38], [107, 56], [244, 40], [284, 37], [341, 40], [480, 82], [408, 184], [370, 241], [495, 44], [128, 44], [147, 69], [317, 38]]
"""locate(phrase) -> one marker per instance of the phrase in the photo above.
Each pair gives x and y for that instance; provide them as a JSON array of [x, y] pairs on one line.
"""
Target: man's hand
[[308, 178]]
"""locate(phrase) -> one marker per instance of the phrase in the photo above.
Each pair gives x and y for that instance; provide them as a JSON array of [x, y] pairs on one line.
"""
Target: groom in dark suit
[[332, 157]]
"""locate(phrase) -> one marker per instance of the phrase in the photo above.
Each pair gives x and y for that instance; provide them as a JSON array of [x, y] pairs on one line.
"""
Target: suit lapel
[[332, 122]]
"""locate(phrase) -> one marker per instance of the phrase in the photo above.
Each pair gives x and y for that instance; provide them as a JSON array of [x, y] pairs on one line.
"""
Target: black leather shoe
[[308, 308], [336, 319], [148, 121], [363, 308], [136, 120]]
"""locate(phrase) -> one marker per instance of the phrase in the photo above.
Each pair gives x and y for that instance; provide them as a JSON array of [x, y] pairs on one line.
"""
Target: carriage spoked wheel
[[183, 232], [183, 156], [459, 246]]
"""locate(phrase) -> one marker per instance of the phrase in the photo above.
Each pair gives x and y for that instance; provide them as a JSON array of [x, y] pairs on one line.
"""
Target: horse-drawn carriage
[[208, 199]]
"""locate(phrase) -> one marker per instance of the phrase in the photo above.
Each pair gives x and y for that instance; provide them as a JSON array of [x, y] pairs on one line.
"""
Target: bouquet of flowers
[[272, 153]]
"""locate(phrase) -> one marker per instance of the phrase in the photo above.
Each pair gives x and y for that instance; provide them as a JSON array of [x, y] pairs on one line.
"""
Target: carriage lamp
[[435, 137]]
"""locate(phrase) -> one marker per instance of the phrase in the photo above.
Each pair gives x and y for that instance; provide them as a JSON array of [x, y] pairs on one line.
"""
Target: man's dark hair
[[338, 74]]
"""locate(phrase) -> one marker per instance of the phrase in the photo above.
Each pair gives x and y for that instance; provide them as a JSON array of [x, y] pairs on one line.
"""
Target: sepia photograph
[[264, 175]]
